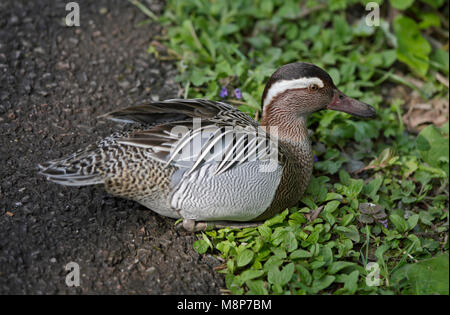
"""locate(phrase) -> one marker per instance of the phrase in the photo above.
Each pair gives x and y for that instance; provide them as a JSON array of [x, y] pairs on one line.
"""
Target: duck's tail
[[78, 169]]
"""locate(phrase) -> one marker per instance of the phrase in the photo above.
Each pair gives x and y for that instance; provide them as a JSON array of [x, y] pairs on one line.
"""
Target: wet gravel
[[54, 81]]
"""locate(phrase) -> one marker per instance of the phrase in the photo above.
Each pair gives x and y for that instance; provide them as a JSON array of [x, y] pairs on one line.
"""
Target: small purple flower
[[238, 93], [316, 159], [223, 92], [384, 222]]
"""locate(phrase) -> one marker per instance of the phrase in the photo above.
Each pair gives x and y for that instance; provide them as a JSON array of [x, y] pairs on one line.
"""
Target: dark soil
[[54, 81]]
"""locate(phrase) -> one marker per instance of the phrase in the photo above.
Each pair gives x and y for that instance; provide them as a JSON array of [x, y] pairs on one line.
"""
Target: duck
[[206, 163]]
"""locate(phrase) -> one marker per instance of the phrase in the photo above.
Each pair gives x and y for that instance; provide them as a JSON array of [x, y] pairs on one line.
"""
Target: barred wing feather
[[198, 132]]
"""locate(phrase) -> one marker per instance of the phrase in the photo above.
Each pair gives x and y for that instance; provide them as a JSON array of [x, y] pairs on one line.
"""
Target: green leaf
[[290, 242], [412, 48], [351, 282], [342, 29], [279, 252], [389, 57], [331, 206], [435, 3], [256, 287], [399, 223], [347, 219], [337, 4], [337, 266], [207, 240], [344, 177], [224, 68], [226, 29], [198, 77], [412, 221], [267, 6], [265, 231], [288, 9], [282, 277], [244, 257], [401, 4], [355, 187], [201, 246], [316, 189], [251, 274], [333, 196], [441, 59], [429, 20], [279, 218], [305, 276], [426, 218], [300, 253], [145, 10], [224, 247], [250, 100], [433, 148], [231, 266], [429, 276], [373, 186], [273, 261], [350, 232], [317, 264], [323, 283]]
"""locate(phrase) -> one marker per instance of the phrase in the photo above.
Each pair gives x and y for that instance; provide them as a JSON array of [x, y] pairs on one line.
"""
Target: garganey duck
[[207, 162]]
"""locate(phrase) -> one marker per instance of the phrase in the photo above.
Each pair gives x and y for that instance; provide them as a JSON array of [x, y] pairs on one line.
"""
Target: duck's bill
[[343, 103]]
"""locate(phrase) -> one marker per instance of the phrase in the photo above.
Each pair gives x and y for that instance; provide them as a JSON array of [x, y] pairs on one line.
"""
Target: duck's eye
[[313, 87]]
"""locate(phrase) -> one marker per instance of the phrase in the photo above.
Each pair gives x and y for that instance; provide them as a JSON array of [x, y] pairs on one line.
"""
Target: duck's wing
[[154, 113], [195, 132]]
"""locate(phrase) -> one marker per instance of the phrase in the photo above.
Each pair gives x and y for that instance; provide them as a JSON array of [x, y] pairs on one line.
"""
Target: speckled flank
[[130, 172], [133, 176]]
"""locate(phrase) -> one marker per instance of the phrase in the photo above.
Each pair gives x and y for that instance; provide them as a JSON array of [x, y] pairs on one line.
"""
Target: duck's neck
[[291, 127], [293, 136]]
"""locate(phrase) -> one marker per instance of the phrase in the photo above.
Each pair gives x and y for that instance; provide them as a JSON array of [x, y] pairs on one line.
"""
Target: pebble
[[14, 20], [150, 270], [73, 40], [124, 84], [39, 50], [62, 65]]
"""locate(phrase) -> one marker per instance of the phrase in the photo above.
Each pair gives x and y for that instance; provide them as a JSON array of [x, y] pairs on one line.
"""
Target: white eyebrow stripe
[[281, 86]]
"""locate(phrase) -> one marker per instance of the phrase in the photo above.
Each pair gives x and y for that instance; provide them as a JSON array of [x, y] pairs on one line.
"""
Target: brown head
[[298, 89]]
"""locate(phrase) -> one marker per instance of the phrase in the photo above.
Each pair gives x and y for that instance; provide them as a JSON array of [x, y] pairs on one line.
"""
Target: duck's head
[[300, 88]]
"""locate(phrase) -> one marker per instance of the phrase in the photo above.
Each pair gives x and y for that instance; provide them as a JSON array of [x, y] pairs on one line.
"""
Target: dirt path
[[54, 82]]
